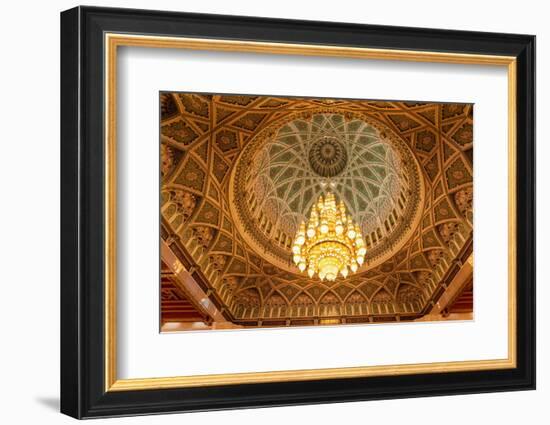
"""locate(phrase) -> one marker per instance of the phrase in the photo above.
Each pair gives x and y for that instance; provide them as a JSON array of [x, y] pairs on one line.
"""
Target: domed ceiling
[[239, 173], [286, 167]]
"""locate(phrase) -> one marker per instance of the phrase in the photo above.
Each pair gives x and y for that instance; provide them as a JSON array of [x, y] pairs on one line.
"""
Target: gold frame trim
[[113, 41]]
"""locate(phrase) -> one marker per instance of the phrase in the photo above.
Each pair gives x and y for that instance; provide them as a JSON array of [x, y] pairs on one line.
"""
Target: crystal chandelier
[[330, 243]]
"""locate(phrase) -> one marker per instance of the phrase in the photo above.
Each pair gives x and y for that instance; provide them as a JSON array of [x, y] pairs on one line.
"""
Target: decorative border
[[111, 43]]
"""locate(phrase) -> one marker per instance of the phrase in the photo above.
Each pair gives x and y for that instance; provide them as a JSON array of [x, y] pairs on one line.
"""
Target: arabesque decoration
[[240, 173]]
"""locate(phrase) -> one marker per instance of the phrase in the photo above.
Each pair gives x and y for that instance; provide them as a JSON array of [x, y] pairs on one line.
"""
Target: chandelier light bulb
[[296, 248], [302, 266]]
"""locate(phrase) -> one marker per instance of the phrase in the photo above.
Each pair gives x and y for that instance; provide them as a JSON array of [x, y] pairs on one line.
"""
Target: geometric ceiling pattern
[[239, 172], [286, 166]]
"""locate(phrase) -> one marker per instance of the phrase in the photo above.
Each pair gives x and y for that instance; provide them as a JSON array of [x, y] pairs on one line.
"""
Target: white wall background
[[29, 217]]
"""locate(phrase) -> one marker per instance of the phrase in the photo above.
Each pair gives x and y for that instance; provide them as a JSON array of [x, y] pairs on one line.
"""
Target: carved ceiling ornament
[[327, 156], [281, 172], [209, 135]]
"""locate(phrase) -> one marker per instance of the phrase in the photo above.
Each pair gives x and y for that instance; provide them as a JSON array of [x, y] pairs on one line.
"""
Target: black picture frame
[[83, 392]]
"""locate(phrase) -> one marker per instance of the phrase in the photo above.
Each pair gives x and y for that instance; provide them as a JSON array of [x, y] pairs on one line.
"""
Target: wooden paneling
[[463, 303]]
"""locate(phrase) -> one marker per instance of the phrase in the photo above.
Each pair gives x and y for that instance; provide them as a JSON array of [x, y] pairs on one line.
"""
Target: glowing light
[[332, 243]]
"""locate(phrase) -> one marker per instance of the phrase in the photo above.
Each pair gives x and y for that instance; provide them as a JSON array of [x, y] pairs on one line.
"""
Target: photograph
[[303, 211]]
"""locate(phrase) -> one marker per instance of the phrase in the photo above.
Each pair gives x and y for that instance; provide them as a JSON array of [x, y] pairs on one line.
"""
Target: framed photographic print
[[261, 212]]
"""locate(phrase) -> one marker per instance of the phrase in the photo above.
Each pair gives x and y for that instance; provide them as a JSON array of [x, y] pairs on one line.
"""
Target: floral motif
[[167, 159], [180, 132], [423, 277], [185, 202], [382, 297], [303, 300], [464, 135], [231, 284], [409, 294], [275, 301], [447, 231], [434, 256], [425, 141], [356, 298], [329, 299], [218, 261], [204, 235], [248, 298], [194, 105], [464, 199]]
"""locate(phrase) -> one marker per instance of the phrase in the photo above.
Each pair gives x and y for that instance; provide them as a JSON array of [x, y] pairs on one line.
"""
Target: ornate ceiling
[[286, 167], [240, 172]]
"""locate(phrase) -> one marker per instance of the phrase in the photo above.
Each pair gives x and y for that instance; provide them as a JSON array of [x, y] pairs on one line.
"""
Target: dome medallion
[[327, 157]]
